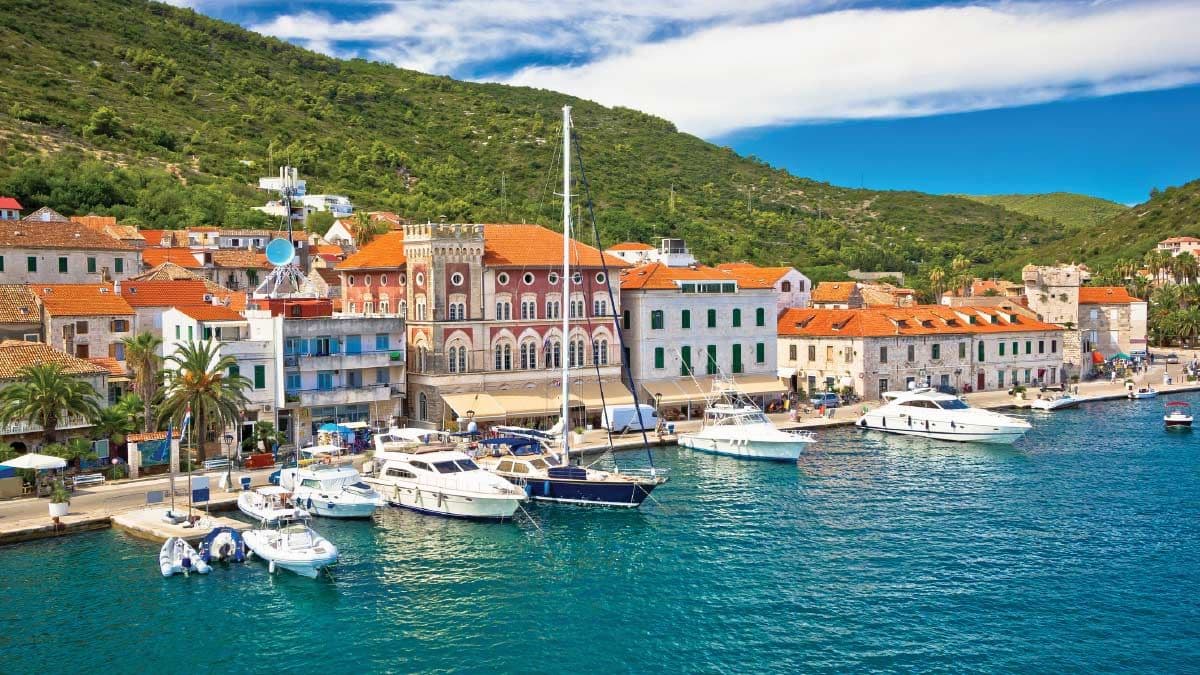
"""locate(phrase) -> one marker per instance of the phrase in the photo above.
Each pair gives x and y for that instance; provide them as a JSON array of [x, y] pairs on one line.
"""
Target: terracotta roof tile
[[164, 293], [753, 276], [385, 251], [660, 277], [630, 246], [169, 271], [81, 300], [184, 257], [916, 320], [1169, 240], [9, 203], [108, 225], [151, 436], [1105, 295], [229, 258], [15, 355], [210, 313], [18, 304], [113, 366], [56, 234], [833, 291]]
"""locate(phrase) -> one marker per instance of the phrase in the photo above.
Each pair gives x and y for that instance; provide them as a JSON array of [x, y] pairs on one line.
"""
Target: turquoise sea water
[[1077, 550]]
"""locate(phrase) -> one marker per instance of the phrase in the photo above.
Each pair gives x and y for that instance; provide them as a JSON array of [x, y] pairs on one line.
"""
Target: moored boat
[[734, 426], [1179, 415], [1061, 402], [330, 491], [1142, 393], [441, 480], [932, 414], [268, 504], [177, 556], [223, 544], [294, 546]]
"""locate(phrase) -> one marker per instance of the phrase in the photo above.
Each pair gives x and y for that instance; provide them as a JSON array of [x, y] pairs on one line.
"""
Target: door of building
[[982, 382]]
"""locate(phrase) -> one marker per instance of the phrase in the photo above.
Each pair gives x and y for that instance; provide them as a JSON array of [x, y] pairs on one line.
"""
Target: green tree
[[75, 451], [103, 122], [118, 421], [141, 354], [366, 228], [45, 395], [937, 277], [198, 379], [265, 436]]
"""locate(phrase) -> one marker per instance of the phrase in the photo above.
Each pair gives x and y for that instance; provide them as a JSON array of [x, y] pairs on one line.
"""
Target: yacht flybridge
[[932, 414]]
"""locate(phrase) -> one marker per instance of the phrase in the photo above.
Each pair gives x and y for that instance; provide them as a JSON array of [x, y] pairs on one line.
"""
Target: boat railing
[[647, 472]]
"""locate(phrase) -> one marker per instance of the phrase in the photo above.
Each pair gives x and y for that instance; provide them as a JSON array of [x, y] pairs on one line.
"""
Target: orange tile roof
[[164, 293], [631, 246], [833, 291], [113, 366], [235, 300], [1180, 240], [385, 251], [81, 300], [152, 436], [1105, 295], [210, 313], [536, 246], [153, 257], [658, 276], [16, 355], [753, 276], [240, 259], [328, 249], [153, 237], [891, 321], [56, 234], [18, 304]]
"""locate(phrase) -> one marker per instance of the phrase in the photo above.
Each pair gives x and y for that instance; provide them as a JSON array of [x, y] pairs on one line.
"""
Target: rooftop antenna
[[286, 279]]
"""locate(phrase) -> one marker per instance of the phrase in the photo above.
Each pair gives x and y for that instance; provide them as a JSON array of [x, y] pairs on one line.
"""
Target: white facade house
[[48, 248], [684, 323], [338, 205], [339, 233], [792, 289]]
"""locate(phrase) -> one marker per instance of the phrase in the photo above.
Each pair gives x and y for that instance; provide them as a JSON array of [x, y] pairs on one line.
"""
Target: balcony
[[346, 361], [18, 428], [342, 395]]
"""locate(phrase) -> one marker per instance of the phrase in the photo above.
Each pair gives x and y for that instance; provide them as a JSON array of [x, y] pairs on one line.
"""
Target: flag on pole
[[187, 422]]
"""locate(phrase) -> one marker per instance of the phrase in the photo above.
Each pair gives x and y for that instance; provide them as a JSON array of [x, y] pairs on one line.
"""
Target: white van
[[624, 418]]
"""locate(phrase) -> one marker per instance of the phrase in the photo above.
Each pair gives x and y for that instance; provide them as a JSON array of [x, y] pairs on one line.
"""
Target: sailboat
[[549, 476]]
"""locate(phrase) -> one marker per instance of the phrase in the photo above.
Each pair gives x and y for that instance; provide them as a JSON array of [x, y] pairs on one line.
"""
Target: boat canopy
[[516, 445], [1179, 404]]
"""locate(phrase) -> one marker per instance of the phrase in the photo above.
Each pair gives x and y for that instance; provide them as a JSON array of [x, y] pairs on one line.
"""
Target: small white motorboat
[[1142, 393], [178, 556], [268, 504], [1061, 402], [331, 491], [293, 545], [1179, 415]]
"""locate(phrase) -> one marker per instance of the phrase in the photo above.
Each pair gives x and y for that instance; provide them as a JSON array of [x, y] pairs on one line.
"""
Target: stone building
[[20, 314], [86, 320], [15, 356], [47, 248], [873, 350]]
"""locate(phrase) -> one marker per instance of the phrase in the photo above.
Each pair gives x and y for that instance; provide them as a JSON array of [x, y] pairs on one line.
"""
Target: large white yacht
[[734, 426], [441, 480], [932, 414], [330, 491]]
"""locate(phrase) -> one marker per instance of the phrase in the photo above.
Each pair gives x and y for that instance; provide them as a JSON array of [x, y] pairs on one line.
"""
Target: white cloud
[[856, 64]]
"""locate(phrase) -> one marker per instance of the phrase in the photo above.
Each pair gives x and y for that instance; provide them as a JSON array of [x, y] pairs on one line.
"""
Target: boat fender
[[862, 423], [308, 506], [546, 488], [952, 425], [271, 567]]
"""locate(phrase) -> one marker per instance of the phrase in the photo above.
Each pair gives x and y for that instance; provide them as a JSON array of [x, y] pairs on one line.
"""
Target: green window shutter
[[760, 353], [234, 371], [62, 265], [737, 358], [1028, 346], [176, 332], [190, 335], [685, 319], [737, 318], [712, 318], [1, 263], [710, 365], [937, 351], [625, 319], [1001, 349], [91, 265], [659, 357], [685, 366], [207, 332], [656, 319], [31, 263], [260, 377], [981, 357], [760, 317], [119, 265]]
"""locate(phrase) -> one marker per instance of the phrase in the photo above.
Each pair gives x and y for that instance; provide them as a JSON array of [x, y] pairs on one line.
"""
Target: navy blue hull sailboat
[[544, 477]]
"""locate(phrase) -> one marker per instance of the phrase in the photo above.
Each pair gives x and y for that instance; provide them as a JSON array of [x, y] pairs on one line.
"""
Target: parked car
[[947, 389], [828, 399], [1172, 358]]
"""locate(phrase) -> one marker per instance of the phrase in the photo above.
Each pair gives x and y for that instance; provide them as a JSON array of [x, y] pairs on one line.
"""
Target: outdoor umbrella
[[35, 461]]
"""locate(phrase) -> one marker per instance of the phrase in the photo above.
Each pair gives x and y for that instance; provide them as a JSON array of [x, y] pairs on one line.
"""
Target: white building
[[10, 209], [1177, 245], [338, 205], [792, 288], [46, 247], [683, 323]]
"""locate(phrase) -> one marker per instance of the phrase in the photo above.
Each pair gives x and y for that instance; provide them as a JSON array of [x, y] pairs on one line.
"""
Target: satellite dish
[[280, 252]]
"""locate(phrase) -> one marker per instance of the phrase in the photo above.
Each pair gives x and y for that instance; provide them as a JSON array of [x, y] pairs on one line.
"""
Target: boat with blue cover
[[223, 544], [545, 476]]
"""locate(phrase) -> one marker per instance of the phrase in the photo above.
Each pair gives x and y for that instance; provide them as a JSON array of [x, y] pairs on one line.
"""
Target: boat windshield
[[455, 466], [537, 463], [952, 404]]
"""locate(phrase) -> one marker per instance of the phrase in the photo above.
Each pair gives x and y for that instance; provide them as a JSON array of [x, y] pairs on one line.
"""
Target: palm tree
[[119, 420], [1165, 298], [1139, 286], [198, 379], [367, 228], [959, 266], [936, 276], [75, 451], [45, 395], [141, 353], [1187, 324], [1185, 268], [265, 435]]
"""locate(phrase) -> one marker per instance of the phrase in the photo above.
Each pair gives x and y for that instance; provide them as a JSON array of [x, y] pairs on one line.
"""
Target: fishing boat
[[1060, 402], [177, 556], [268, 504], [292, 545], [544, 475], [1142, 393], [734, 426], [1179, 415], [932, 414], [223, 544], [443, 481], [330, 491]]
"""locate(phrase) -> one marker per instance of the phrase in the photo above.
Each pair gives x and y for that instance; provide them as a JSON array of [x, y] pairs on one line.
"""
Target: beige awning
[[677, 391], [615, 393], [759, 384], [530, 402], [484, 406]]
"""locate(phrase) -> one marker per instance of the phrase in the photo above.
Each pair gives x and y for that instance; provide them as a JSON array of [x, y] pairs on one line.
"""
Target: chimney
[[116, 286]]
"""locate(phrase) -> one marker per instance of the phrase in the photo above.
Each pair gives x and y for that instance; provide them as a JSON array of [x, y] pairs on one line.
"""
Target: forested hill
[[1071, 210], [194, 110]]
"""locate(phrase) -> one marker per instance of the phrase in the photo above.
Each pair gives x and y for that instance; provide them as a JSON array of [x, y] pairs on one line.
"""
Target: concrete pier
[[148, 524]]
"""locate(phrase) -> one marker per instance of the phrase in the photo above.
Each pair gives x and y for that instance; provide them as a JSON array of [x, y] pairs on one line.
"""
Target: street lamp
[[229, 461]]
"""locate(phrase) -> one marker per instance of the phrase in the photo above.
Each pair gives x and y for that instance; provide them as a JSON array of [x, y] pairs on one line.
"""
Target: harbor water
[[1076, 550]]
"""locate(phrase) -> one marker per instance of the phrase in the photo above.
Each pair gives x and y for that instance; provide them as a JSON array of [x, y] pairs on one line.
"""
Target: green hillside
[[1071, 210], [165, 117]]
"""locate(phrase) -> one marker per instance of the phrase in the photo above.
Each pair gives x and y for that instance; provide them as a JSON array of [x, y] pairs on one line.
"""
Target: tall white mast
[[566, 280]]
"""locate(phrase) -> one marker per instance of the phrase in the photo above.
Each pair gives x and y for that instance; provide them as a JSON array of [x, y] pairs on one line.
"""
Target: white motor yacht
[[734, 426], [1179, 415], [1061, 402], [932, 414], [293, 545], [268, 504], [443, 481], [330, 491]]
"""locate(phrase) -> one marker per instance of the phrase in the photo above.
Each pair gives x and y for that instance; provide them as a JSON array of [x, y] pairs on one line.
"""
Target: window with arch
[[529, 308], [529, 352], [420, 309], [384, 307], [577, 309], [422, 406], [600, 351], [528, 278], [503, 353], [368, 307], [600, 307], [502, 278], [552, 356], [553, 309], [456, 279], [575, 353], [504, 310], [403, 308], [456, 359]]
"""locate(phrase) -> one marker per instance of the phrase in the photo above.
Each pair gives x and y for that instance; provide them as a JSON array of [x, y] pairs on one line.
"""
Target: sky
[[1094, 96]]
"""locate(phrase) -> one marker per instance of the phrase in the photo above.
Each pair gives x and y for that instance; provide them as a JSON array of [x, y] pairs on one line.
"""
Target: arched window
[[503, 356], [600, 352], [529, 352], [528, 308], [553, 309], [368, 307], [458, 311], [384, 307], [553, 354], [575, 353], [403, 308], [422, 406], [600, 307], [462, 359], [504, 310], [420, 309]]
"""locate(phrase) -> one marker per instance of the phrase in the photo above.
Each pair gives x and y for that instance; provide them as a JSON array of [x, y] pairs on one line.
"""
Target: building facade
[[47, 248], [86, 320], [15, 356], [1177, 245], [792, 289], [837, 295], [873, 350]]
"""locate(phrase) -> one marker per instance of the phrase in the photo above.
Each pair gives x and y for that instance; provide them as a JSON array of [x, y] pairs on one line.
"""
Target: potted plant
[[577, 437], [1018, 391], [60, 500]]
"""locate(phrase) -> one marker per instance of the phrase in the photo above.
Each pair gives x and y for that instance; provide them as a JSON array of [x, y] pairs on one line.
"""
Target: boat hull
[[626, 494], [942, 431], [1178, 423], [449, 504], [336, 508], [307, 566], [778, 452], [1059, 404]]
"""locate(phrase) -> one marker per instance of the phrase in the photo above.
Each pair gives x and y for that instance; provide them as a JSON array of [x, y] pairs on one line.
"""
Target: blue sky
[[1092, 96]]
